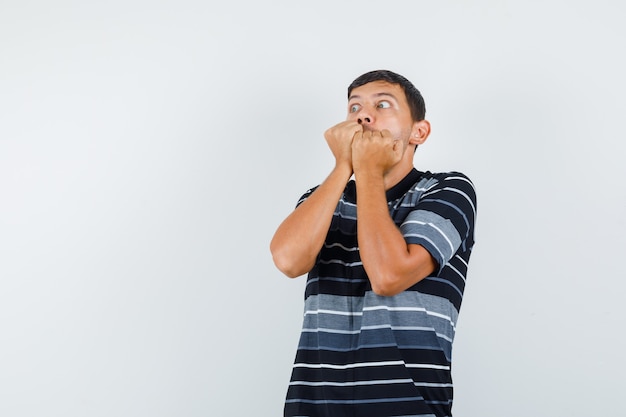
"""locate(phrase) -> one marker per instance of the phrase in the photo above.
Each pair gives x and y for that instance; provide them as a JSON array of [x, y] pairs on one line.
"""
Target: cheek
[[401, 134]]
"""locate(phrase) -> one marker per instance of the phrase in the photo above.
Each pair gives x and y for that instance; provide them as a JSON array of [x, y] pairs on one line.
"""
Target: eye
[[384, 105], [354, 108]]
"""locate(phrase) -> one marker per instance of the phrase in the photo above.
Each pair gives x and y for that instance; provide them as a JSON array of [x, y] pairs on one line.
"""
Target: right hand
[[339, 140]]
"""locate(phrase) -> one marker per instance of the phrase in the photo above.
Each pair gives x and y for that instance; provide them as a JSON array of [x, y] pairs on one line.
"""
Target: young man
[[386, 255]]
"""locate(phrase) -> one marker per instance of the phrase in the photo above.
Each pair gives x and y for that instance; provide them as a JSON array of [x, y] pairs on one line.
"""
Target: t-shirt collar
[[404, 185]]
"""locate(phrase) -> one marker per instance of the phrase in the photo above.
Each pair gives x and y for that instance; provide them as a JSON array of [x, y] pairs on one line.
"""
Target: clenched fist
[[375, 151], [339, 139]]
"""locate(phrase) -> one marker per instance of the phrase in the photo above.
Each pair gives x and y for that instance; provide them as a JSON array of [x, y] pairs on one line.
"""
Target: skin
[[376, 144]]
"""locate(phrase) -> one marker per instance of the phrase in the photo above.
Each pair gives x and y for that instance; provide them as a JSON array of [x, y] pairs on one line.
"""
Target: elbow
[[285, 264], [390, 284], [385, 286], [287, 269], [385, 292]]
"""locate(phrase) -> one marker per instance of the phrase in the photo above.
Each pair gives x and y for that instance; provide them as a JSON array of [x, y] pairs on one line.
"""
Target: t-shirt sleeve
[[306, 195], [443, 219]]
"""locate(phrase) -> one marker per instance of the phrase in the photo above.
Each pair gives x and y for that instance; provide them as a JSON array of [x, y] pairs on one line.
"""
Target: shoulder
[[450, 179], [452, 189], [446, 176], [306, 195]]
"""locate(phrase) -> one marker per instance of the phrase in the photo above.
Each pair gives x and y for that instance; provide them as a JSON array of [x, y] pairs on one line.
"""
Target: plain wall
[[149, 149]]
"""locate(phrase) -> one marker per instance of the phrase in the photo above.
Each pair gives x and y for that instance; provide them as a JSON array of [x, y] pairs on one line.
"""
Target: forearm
[[391, 265], [299, 238]]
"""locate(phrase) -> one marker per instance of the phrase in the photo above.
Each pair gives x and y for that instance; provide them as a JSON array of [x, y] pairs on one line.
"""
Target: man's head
[[413, 96], [383, 100]]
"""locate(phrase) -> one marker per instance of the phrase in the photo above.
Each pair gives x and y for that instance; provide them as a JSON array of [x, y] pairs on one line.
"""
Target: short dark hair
[[413, 96]]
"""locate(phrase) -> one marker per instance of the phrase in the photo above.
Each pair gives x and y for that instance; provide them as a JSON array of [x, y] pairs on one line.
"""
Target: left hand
[[375, 151]]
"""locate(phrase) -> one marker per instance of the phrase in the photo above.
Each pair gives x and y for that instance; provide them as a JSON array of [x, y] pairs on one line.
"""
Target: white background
[[149, 149]]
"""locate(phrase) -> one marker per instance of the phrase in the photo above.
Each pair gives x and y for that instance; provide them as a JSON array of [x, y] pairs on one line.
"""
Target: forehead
[[377, 88]]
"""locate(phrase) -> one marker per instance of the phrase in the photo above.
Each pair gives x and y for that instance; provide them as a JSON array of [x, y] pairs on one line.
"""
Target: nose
[[365, 118]]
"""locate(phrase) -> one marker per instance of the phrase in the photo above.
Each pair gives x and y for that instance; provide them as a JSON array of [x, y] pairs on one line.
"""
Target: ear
[[420, 132]]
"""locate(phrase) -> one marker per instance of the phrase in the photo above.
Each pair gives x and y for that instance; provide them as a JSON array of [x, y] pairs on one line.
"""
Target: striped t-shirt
[[361, 354]]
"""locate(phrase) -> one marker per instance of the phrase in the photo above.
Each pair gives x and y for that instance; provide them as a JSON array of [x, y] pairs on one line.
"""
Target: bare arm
[[299, 238], [391, 264]]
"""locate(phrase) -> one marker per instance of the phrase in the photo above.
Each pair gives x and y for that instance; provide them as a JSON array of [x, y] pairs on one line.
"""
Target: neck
[[397, 173]]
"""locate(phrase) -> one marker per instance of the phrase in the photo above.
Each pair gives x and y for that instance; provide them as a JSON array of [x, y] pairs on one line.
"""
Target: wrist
[[343, 170], [343, 167], [364, 171], [369, 175]]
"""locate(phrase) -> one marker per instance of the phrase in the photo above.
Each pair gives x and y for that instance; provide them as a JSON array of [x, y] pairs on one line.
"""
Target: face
[[381, 105]]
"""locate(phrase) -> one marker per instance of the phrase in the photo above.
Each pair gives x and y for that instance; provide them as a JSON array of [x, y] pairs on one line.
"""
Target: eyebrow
[[383, 94]]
